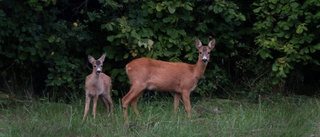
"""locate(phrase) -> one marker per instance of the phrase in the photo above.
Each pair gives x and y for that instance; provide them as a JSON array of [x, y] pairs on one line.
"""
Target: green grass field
[[280, 117]]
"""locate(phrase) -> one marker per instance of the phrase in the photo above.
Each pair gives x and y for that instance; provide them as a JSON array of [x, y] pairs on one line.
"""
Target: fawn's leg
[[105, 103], [86, 108], [108, 102], [95, 101]]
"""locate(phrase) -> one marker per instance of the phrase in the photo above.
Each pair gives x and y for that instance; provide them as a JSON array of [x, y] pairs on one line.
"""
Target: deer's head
[[97, 64], [204, 51]]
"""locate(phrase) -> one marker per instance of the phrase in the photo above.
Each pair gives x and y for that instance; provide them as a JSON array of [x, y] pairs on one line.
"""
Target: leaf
[[293, 16], [150, 42], [126, 56], [275, 67], [171, 9], [22, 56], [294, 5], [158, 7], [167, 53], [242, 17], [189, 56], [167, 19], [285, 27], [182, 32], [306, 50], [274, 1], [51, 39], [301, 28], [317, 46], [217, 9], [107, 26], [257, 10], [145, 32], [272, 6], [32, 50], [114, 92], [58, 39], [187, 7], [275, 81], [69, 79], [110, 38], [135, 35], [139, 43], [50, 76], [264, 54], [315, 62], [281, 73]]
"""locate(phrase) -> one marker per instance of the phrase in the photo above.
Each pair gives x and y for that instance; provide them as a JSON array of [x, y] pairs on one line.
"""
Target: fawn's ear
[[102, 57], [198, 43], [212, 44], [91, 59]]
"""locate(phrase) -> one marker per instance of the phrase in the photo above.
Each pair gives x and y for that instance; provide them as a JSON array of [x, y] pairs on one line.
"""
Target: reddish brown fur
[[182, 78], [97, 85]]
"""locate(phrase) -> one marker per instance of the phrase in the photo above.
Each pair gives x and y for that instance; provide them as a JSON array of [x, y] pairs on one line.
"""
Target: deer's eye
[[208, 52], [200, 52], [94, 66]]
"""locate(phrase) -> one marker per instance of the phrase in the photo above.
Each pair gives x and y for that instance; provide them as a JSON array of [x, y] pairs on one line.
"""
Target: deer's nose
[[204, 59], [98, 70]]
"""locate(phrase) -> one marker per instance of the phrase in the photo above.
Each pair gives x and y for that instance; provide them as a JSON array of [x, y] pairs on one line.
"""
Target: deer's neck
[[95, 78], [199, 69]]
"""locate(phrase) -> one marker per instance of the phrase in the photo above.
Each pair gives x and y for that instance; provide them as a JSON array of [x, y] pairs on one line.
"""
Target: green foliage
[[49, 40], [35, 42], [166, 30], [286, 33]]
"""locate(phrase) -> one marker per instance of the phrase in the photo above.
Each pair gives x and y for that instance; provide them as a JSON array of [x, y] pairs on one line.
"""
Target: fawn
[[97, 85]]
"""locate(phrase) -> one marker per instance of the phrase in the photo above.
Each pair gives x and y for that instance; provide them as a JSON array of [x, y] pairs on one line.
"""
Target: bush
[[47, 42]]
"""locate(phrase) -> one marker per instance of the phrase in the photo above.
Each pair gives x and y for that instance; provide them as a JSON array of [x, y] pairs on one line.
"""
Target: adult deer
[[97, 85], [150, 74]]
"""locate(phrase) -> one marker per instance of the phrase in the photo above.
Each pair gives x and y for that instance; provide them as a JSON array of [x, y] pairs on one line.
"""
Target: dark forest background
[[264, 47]]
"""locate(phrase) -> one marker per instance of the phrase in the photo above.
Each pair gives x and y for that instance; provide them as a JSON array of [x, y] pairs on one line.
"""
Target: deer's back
[[160, 75]]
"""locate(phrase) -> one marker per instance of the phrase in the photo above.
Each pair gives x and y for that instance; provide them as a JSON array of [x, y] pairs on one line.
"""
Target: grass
[[285, 117]]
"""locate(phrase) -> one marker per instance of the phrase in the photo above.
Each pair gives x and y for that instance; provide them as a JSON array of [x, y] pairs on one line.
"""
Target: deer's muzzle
[[98, 70], [204, 59]]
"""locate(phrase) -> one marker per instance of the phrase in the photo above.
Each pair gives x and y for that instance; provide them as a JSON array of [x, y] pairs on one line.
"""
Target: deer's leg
[[186, 101], [109, 102], [134, 91], [134, 103], [86, 108], [177, 97], [105, 102], [95, 101]]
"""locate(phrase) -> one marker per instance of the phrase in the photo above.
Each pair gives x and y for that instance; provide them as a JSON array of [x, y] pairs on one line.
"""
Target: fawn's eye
[[200, 52], [94, 66], [208, 52]]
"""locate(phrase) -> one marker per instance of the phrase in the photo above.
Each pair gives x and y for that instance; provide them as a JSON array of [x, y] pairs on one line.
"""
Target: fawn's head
[[204, 51], [97, 64]]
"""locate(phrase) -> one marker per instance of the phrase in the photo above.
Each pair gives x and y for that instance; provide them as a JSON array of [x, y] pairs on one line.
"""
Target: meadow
[[295, 116]]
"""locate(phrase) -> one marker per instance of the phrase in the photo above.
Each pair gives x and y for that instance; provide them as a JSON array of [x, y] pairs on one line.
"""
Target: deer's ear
[[102, 57], [91, 59], [212, 44], [198, 43]]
